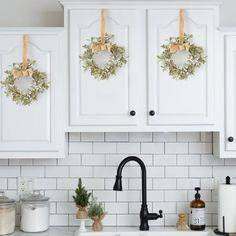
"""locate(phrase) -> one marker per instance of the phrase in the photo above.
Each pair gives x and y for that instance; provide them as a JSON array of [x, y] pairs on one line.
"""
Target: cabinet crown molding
[[73, 3]]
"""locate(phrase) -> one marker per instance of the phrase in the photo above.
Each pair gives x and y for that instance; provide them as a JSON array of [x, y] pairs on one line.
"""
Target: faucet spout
[[144, 214]]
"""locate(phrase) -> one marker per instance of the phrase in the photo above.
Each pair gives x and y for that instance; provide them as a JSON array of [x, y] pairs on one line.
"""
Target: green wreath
[[194, 60], [116, 60], [39, 83]]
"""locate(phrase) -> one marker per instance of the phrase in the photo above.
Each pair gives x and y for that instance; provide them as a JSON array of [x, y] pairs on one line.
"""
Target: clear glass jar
[[7, 214], [34, 212]]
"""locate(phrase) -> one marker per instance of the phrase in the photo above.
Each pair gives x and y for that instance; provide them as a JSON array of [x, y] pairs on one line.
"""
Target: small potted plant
[[96, 213], [81, 200]]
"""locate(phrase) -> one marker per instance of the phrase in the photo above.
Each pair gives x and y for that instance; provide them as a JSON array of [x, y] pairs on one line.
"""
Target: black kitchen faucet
[[145, 216]]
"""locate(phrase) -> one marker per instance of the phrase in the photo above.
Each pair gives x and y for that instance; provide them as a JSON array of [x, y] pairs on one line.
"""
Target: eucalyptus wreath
[[116, 60], [194, 59], [39, 83]]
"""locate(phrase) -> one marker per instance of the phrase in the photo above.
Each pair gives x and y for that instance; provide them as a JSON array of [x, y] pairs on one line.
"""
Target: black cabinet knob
[[132, 113], [151, 113], [230, 139]]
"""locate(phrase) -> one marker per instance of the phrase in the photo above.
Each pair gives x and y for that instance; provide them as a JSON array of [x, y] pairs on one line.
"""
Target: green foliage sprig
[[96, 209], [39, 84], [116, 60], [82, 196], [194, 60]]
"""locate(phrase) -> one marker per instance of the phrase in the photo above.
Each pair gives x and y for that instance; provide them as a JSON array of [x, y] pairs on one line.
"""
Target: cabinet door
[[108, 102], [230, 93], [181, 102], [34, 130]]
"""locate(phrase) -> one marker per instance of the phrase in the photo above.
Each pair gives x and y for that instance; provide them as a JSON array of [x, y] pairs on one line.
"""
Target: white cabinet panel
[[35, 130], [181, 102], [109, 102]]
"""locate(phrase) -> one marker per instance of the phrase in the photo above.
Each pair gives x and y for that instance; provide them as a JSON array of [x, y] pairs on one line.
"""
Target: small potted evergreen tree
[[97, 214], [81, 200]]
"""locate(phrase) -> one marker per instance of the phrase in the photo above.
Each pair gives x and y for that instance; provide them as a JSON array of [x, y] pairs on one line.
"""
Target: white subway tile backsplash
[[187, 183], [116, 207], [57, 195], [210, 160], [176, 148], [136, 184], [188, 160], [66, 208], [81, 171], [93, 159], [164, 137], [223, 171], [105, 195], [20, 162], [164, 160], [148, 148], [116, 137], [176, 171], [164, 184], [155, 196], [36, 171], [9, 171], [70, 160], [57, 171], [92, 137], [140, 137], [59, 220], [176, 196], [188, 137], [166, 207], [80, 147], [45, 183], [200, 172], [176, 163], [104, 147], [128, 196], [3, 183], [206, 137], [128, 148], [200, 148]]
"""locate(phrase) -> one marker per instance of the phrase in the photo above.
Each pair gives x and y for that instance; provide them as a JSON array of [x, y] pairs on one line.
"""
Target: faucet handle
[[160, 214]]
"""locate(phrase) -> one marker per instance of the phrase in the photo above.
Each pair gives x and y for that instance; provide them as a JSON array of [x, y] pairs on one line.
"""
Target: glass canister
[[34, 212], [7, 214]]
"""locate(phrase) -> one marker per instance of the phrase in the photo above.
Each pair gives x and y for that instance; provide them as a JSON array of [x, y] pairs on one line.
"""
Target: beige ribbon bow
[[22, 73], [181, 46], [102, 46]]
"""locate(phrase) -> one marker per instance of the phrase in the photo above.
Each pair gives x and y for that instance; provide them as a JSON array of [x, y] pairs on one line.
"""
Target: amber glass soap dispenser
[[197, 212]]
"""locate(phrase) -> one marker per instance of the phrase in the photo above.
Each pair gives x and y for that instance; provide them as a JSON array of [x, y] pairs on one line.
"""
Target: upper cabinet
[[182, 102], [113, 101], [141, 97], [225, 141], [35, 130]]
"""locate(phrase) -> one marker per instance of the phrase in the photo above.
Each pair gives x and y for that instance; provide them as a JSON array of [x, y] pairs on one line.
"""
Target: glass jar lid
[[34, 197], [4, 200]]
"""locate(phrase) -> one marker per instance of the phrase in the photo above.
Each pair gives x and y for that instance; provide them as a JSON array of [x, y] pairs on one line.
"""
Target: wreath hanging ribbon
[[194, 60], [117, 56], [24, 69]]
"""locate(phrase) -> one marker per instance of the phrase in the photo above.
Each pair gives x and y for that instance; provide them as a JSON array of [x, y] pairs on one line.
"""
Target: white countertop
[[70, 231]]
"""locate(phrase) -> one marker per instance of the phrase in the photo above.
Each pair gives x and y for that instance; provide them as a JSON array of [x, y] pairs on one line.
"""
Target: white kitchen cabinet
[[182, 102], [34, 131], [225, 141], [111, 102], [160, 102]]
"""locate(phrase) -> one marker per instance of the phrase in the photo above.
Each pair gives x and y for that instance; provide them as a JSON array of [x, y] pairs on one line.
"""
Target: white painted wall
[[50, 13]]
